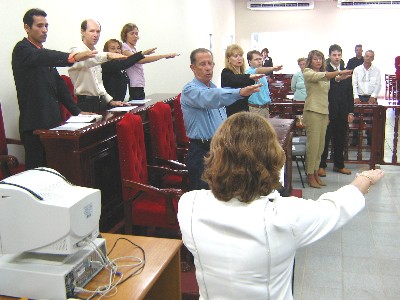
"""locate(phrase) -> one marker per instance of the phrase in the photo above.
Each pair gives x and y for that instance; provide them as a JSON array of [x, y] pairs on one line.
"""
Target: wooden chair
[[163, 145], [144, 204], [9, 164]]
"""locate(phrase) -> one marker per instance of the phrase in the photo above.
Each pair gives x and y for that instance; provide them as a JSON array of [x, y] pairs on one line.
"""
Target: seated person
[[242, 234]]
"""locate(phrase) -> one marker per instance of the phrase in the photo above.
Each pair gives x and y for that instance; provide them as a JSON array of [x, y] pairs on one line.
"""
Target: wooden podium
[[89, 156]]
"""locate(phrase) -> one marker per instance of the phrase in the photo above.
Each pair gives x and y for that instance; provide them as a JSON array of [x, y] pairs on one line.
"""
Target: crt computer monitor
[[41, 212]]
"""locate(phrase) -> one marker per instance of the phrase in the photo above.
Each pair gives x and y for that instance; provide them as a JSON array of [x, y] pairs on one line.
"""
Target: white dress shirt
[[366, 82], [86, 75], [246, 250]]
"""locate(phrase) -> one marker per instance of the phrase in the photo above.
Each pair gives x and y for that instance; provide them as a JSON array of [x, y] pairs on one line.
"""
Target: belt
[[90, 98], [258, 106], [200, 141]]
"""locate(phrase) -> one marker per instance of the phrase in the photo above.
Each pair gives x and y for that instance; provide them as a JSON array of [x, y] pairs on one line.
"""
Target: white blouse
[[246, 251]]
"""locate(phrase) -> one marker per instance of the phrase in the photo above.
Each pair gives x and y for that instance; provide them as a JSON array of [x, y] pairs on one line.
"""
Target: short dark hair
[[195, 52], [250, 55], [358, 46], [127, 28], [245, 158], [335, 47], [265, 50], [28, 17]]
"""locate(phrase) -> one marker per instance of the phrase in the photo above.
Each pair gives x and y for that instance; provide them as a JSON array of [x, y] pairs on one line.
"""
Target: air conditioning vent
[[280, 5], [368, 4]]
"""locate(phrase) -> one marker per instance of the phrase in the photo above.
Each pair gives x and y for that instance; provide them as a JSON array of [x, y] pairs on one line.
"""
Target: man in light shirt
[[86, 75], [366, 85]]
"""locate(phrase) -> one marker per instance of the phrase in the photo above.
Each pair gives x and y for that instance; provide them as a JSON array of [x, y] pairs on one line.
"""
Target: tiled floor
[[362, 259]]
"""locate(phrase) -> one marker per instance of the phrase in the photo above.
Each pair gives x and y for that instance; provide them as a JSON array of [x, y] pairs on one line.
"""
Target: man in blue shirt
[[258, 102], [203, 107]]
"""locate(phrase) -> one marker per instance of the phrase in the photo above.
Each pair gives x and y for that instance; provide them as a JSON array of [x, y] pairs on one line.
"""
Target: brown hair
[[245, 159], [230, 51], [301, 59], [105, 49], [127, 28], [319, 54]]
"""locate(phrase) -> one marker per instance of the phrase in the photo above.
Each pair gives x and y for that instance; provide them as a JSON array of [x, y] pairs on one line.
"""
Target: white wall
[[171, 25], [294, 33]]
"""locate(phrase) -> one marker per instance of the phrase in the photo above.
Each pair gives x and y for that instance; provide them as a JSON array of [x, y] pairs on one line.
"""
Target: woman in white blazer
[[243, 234]]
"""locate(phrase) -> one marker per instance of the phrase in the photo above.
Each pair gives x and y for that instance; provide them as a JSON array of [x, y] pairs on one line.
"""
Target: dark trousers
[[136, 93], [195, 165], [34, 150], [92, 103], [336, 131]]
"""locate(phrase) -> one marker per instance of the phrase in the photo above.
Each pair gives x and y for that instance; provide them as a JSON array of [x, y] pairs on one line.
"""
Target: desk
[[89, 156], [160, 278]]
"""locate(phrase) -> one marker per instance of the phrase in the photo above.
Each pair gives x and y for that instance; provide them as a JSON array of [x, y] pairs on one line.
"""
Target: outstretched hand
[[171, 55], [118, 56], [149, 51], [278, 68], [80, 56], [249, 90], [255, 77]]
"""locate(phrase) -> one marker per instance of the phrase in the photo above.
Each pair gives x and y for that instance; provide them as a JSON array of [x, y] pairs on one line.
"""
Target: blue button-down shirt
[[203, 108], [262, 97]]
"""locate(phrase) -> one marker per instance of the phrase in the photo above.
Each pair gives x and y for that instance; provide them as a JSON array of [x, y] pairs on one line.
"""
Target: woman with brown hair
[[242, 233], [315, 114]]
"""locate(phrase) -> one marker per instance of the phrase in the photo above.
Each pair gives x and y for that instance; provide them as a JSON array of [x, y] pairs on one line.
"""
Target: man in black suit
[[39, 86], [341, 107]]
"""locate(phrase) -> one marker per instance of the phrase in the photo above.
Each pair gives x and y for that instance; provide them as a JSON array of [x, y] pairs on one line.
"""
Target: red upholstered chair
[[9, 164], [65, 114], [180, 132], [163, 145], [144, 205]]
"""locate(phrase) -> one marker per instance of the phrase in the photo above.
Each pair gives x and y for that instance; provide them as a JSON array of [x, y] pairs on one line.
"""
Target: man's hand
[[255, 77], [345, 72], [357, 101], [278, 68], [251, 89], [118, 103], [112, 55], [80, 56], [149, 51], [372, 100], [350, 118]]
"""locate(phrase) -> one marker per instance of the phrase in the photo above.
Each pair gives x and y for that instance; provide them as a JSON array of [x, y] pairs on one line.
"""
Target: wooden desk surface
[[162, 269]]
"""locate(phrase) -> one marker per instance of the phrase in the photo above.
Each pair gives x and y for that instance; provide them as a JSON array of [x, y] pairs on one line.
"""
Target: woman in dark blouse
[[233, 76], [115, 79]]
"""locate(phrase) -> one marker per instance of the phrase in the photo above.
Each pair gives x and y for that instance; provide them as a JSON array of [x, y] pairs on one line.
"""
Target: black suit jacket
[[114, 75], [232, 80], [340, 97], [268, 63], [39, 86]]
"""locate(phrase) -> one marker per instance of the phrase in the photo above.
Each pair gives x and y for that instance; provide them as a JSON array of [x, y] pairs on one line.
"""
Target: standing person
[[259, 102], [315, 112], [366, 85], [86, 75], [397, 67], [341, 107], [203, 108], [266, 60], [115, 78], [39, 86], [233, 76], [297, 82], [356, 60], [242, 234], [129, 37]]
